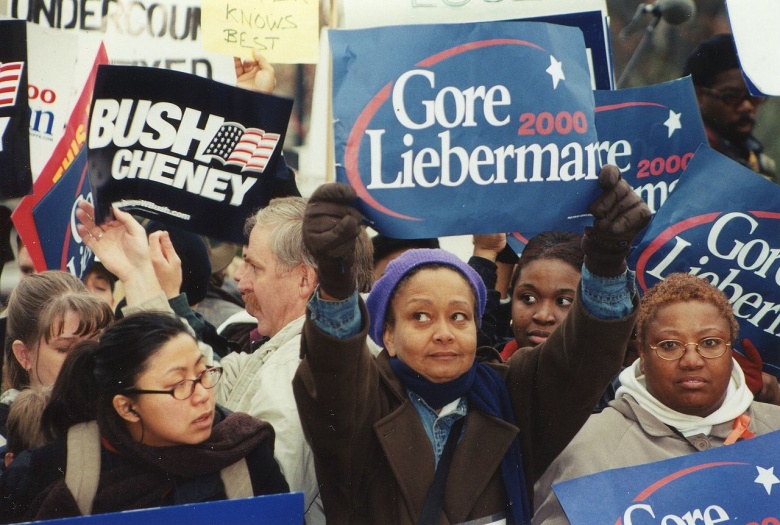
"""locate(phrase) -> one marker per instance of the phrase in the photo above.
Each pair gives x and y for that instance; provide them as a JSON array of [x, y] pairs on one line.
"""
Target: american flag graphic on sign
[[10, 76], [248, 148]]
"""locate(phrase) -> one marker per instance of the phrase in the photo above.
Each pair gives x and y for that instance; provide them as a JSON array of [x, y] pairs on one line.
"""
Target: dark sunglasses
[[734, 97]]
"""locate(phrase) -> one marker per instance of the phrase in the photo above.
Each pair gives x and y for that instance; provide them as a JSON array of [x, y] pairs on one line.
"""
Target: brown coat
[[373, 459]]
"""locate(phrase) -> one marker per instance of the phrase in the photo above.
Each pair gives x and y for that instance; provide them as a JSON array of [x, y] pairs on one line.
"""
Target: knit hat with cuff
[[384, 288]]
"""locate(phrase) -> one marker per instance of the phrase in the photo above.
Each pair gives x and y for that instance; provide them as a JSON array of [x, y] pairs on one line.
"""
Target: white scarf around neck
[[738, 399]]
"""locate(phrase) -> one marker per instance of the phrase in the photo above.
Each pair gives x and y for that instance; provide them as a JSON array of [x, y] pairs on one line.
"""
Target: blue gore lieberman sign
[[462, 126], [722, 223], [731, 484]]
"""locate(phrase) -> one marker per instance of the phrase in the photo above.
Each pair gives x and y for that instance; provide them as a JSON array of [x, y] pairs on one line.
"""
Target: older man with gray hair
[[276, 278]]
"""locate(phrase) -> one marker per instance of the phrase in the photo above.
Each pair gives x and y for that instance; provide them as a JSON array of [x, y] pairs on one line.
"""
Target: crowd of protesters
[[387, 380]]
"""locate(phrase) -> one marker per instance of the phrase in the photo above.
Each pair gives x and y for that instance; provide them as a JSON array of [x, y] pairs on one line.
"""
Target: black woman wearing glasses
[[684, 394], [728, 110], [143, 430]]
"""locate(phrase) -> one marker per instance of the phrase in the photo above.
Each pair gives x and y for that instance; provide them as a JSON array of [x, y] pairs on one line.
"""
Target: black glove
[[619, 215], [330, 230]]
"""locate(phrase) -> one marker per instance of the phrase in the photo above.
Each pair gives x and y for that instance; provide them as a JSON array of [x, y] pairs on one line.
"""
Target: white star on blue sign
[[767, 478], [555, 71], [673, 122]]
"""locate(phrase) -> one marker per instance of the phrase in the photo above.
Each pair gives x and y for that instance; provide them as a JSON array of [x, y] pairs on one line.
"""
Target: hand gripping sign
[[665, 131], [464, 128], [651, 154], [722, 223], [188, 151]]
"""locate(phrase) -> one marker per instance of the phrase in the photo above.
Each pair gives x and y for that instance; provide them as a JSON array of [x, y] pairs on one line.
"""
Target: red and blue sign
[[63, 248], [596, 34], [729, 484], [653, 151], [722, 223], [45, 220], [665, 131], [464, 128]]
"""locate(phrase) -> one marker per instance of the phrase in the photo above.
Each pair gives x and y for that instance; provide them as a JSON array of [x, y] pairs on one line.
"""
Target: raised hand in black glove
[[619, 215], [330, 230]]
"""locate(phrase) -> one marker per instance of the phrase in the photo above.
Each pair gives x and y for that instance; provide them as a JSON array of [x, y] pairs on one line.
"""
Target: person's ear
[[124, 407], [388, 338], [22, 354], [307, 281], [8, 459], [641, 352]]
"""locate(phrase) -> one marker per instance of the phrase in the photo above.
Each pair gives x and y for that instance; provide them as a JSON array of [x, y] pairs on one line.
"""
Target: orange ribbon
[[740, 430]]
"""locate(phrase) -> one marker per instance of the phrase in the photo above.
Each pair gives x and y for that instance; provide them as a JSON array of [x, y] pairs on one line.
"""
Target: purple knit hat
[[382, 291]]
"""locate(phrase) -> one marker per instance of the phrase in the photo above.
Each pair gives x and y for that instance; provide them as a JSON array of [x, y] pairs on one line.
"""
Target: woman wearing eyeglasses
[[159, 438], [684, 394]]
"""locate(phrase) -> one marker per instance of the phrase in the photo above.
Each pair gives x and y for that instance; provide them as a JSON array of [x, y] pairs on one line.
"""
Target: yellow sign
[[284, 31]]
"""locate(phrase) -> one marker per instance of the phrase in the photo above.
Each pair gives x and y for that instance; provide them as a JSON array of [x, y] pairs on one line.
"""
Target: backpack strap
[[82, 469], [237, 482]]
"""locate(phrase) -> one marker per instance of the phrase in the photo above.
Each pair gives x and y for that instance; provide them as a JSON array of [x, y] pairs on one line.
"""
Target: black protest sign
[[185, 150], [15, 173]]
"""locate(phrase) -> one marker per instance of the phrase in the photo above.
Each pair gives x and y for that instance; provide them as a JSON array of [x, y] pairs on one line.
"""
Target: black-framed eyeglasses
[[734, 97], [708, 348], [185, 388]]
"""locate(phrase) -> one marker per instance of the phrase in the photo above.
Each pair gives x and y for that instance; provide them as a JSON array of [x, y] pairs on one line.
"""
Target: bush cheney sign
[[182, 149], [721, 224], [461, 127]]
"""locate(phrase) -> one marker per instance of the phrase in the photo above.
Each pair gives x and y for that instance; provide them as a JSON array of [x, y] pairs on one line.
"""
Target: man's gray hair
[[284, 217]]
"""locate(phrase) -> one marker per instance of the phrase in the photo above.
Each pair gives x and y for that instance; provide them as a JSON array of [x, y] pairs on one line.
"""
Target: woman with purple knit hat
[[424, 433]]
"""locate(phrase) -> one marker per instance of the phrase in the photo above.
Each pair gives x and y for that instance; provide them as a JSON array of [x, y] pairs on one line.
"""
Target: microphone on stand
[[674, 12]]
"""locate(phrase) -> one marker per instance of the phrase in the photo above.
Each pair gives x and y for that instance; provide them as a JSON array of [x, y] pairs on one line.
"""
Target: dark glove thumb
[[609, 177], [337, 193]]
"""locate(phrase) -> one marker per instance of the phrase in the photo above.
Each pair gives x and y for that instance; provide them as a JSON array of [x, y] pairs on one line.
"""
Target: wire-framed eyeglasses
[[734, 97], [185, 388], [708, 348]]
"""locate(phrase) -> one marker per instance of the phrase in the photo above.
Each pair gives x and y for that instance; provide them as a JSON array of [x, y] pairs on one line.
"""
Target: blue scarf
[[486, 391]]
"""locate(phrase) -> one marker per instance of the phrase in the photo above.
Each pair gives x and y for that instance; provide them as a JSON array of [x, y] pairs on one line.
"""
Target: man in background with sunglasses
[[727, 108]]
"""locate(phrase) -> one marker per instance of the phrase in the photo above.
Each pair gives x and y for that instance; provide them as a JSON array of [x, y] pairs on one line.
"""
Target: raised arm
[[556, 384], [122, 247], [619, 215], [330, 230], [337, 381], [166, 263], [486, 250]]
